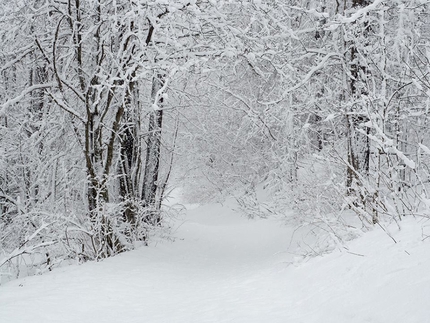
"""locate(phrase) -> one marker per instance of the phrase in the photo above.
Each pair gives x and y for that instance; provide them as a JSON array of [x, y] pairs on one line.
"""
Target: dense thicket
[[327, 109], [324, 103]]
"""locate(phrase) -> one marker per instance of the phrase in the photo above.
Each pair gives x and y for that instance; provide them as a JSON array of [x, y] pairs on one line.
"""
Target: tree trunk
[[130, 161], [153, 148], [358, 144]]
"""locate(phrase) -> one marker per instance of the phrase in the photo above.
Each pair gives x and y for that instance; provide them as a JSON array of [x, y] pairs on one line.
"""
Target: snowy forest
[[106, 106]]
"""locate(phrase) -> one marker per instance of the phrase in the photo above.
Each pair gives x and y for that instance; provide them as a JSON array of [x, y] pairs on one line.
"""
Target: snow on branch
[[388, 144], [360, 13], [160, 92], [424, 148], [307, 77], [28, 90], [21, 250], [25, 51]]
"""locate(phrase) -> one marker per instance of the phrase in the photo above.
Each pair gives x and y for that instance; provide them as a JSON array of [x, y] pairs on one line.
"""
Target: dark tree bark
[[358, 142], [130, 157], [153, 148]]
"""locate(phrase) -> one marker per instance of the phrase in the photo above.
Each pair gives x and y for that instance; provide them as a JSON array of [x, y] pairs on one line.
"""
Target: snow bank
[[224, 268]]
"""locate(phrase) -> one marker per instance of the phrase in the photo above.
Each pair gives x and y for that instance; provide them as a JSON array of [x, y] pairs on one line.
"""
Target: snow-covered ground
[[225, 268]]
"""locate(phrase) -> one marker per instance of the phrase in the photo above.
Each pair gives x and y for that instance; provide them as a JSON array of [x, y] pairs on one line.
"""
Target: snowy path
[[213, 272], [224, 268]]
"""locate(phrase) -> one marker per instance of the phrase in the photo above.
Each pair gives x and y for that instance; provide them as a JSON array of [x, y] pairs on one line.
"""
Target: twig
[[388, 234]]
